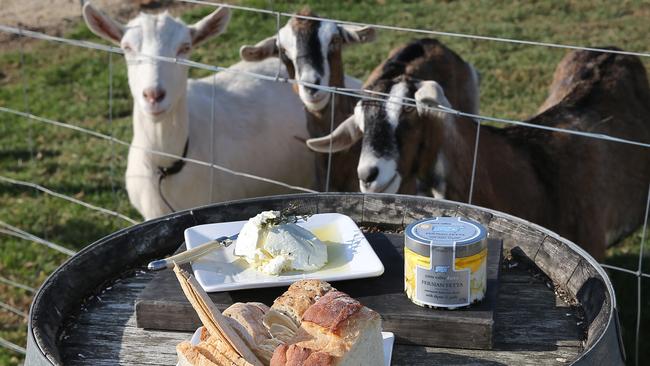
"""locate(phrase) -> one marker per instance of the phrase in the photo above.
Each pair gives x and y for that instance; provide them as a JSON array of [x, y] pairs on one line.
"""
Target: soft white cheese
[[252, 236], [279, 248], [298, 244]]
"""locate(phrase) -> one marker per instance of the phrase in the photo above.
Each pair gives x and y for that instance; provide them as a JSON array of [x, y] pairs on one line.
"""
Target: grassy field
[[71, 85]]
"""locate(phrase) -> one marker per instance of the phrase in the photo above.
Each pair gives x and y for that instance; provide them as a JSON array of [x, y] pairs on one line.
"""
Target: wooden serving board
[[162, 305]]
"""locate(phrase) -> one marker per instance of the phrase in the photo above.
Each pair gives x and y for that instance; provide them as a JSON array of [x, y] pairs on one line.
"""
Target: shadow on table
[[415, 356]]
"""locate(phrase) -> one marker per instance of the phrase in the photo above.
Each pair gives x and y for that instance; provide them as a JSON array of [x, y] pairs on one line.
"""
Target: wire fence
[[13, 231], [12, 346], [19, 285], [13, 310]]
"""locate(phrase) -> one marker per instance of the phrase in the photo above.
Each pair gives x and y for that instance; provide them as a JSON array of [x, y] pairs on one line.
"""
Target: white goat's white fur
[[256, 123], [252, 134]]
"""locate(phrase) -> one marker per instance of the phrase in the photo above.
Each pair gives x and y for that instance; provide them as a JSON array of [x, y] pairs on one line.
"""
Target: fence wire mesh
[[8, 229], [12, 346]]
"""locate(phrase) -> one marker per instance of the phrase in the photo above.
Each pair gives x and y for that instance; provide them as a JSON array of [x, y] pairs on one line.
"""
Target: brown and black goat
[[590, 191]]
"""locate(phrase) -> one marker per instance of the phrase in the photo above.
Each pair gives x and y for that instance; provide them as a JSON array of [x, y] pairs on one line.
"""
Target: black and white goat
[[312, 53], [592, 192], [400, 152]]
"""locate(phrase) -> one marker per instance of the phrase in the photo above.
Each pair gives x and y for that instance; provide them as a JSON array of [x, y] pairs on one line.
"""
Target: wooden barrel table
[[555, 304]]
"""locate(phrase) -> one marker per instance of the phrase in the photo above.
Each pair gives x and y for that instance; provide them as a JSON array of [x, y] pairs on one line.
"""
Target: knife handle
[[189, 255]]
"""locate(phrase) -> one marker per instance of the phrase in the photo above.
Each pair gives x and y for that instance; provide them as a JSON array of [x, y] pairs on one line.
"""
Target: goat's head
[[392, 133], [311, 52], [156, 85]]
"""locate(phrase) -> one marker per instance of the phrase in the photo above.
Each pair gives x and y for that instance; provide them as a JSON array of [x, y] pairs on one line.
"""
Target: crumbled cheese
[[276, 265]]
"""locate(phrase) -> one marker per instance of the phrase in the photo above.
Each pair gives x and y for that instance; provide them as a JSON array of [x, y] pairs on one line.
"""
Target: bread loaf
[[335, 330], [311, 324]]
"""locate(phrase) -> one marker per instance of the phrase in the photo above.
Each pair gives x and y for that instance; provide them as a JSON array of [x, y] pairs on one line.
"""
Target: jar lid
[[445, 232]]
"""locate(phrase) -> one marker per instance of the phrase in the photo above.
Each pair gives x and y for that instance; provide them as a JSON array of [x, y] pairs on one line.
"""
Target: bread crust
[[294, 355], [203, 354], [299, 297], [330, 328], [332, 310], [337, 344], [204, 335], [219, 352]]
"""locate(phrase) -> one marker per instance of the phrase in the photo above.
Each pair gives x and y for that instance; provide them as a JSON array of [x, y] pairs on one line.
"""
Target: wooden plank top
[[163, 306], [533, 326]]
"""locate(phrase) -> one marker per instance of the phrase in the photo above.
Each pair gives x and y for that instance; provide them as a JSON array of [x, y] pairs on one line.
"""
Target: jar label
[[440, 284]]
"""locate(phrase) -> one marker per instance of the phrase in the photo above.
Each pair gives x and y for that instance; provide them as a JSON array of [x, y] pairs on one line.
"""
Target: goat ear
[[344, 136], [262, 50], [102, 25], [212, 25], [431, 95], [353, 34]]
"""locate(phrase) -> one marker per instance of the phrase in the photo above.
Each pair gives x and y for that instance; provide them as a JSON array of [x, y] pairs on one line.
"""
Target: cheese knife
[[192, 254]]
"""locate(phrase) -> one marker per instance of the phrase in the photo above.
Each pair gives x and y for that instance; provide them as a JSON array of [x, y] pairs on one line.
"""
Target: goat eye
[[408, 109], [335, 44], [183, 49], [127, 48]]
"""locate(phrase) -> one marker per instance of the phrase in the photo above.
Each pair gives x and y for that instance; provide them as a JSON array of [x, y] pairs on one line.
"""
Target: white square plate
[[349, 256], [389, 339]]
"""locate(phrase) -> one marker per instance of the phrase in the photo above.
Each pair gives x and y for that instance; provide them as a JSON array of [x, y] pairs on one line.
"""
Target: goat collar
[[164, 172], [177, 166]]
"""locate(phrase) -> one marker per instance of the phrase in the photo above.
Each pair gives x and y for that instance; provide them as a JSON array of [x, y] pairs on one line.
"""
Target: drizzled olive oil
[[327, 233], [337, 260]]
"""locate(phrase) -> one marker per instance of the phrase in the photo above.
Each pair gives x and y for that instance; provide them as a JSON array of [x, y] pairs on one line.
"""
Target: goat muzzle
[[154, 95]]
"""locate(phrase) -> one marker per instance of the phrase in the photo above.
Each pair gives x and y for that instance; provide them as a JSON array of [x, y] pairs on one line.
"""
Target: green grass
[[71, 85]]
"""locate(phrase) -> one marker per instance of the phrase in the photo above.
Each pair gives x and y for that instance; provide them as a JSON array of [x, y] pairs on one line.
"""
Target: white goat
[[255, 121]]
